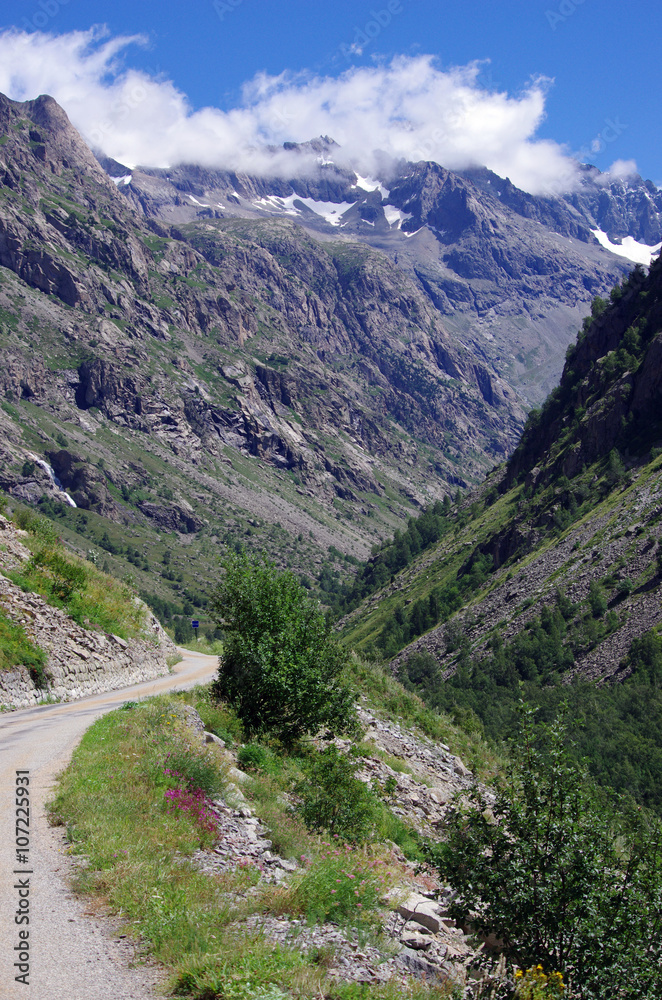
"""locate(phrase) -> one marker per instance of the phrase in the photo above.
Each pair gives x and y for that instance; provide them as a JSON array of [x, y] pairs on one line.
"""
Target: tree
[[557, 876], [281, 669]]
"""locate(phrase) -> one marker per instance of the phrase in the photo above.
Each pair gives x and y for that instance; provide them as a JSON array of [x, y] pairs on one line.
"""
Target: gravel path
[[73, 953]]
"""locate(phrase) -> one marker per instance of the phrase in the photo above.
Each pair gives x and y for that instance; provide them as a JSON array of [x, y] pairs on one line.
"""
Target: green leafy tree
[[281, 669], [560, 879]]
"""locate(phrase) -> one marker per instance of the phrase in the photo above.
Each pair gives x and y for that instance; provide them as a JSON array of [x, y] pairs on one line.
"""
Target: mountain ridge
[[225, 380]]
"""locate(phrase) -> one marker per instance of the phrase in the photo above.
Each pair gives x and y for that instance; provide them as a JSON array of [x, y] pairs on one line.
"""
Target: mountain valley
[[195, 360]]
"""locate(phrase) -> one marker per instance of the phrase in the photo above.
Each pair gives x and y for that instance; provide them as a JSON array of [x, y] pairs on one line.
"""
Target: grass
[[117, 801], [17, 649], [211, 647], [344, 884], [92, 598], [113, 801]]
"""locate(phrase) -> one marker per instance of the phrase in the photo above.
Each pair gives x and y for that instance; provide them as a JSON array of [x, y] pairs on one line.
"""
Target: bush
[[559, 878], [281, 669], [334, 800], [342, 884], [253, 757]]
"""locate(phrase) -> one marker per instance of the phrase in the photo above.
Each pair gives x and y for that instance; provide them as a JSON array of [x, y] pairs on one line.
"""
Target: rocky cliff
[[511, 273], [234, 378]]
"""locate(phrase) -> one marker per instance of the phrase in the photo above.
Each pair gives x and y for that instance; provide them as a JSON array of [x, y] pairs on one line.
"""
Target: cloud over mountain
[[406, 108]]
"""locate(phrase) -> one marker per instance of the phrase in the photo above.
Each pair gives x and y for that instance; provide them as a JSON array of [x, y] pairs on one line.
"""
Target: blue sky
[[600, 58]]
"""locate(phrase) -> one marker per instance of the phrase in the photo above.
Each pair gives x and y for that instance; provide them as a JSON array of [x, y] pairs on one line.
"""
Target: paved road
[[72, 956]]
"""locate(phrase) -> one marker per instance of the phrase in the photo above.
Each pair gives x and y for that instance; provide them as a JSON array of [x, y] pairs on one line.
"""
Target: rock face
[[80, 661], [265, 372], [511, 273], [610, 393]]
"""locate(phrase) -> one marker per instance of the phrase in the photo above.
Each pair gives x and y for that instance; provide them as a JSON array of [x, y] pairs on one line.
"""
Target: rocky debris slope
[[80, 661], [418, 937], [622, 544]]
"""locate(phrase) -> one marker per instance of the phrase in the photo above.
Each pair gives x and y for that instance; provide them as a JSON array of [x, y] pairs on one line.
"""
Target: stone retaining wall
[[80, 661]]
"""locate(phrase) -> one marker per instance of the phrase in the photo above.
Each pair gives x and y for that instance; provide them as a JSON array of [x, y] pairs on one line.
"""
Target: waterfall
[[56, 482]]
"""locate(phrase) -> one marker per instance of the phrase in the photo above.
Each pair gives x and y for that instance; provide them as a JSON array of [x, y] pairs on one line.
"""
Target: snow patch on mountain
[[370, 184], [629, 248], [330, 211], [395, 216], [126, 179], [285, 205]]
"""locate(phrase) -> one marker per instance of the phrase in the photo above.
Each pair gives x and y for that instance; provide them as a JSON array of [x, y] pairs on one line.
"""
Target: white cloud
[[622, 169], [407, 108]]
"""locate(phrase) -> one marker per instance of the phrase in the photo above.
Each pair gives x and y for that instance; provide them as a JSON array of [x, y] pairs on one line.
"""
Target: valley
[[337, 373]]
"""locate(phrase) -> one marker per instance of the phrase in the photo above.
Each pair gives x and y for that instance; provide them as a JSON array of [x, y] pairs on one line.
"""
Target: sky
[[522, 86]]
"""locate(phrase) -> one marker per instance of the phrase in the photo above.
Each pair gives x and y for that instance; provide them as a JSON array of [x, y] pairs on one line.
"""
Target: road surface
[[71, 954]]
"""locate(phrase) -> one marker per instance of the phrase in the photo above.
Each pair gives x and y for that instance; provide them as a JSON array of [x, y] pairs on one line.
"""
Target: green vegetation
[[17, 649], [92, 598], [133, 802], [437, 607], [333, 800], [553, 430], [563, 880], [616, 727], [392, 556], [281, 670], [344, 885]]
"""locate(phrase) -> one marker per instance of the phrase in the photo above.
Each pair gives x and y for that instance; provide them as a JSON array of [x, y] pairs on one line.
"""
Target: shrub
[[253, 757], [559, 878], [281, 670], [343, 884], [334, 799]]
